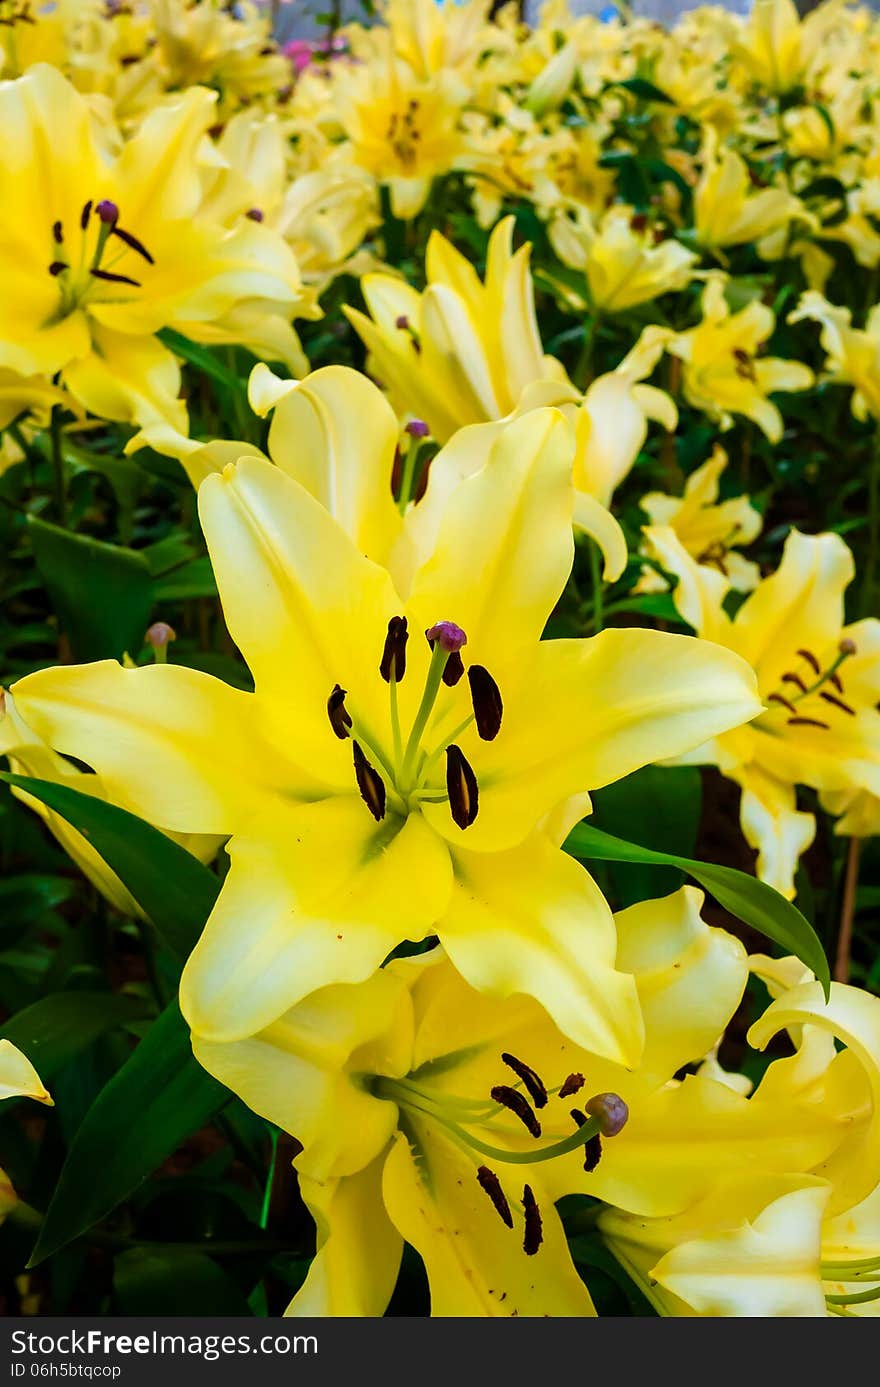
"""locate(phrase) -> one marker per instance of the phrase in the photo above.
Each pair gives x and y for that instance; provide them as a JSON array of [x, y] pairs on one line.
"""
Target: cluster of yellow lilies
[[415, 752]]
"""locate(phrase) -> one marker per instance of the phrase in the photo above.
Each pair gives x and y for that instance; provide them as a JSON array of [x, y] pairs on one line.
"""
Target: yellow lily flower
[[18, 1079], [727, 209], [103, 253], [402, 130], [209, 44], [819, 680], [431, 36], [623, 262], [465, 351], [852, 354], [777, 46], [723, 373], [28, 395], [769, 1242], [710, 530], [367, 807], [391, 1086], [28, 755]]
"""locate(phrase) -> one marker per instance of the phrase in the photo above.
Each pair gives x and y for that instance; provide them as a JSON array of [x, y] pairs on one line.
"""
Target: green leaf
[[193, 579], [54, 1029], [201, 357], [157, 1099], [168, 883], [660, 806], [750, 900], [103, 594], [172, 1281], [644, 90]]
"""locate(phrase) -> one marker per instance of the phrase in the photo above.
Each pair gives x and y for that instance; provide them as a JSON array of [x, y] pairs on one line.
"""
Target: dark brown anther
[[489, 1181], [592, 1153], [518, 1104], [393, 660], [837, 702], [486, 698], [370, 784], [336, 712], [461, 787], [453, 670], [572, 1084], [780, 698], [745, 367], [134, 244], [809, 722], [114, 278], [85, 214], [811, 660], [254, 214], [796, 680], [534, 1230], [639, 222], [57, 267], [533, 1082], [57, 233], [592, 1146]]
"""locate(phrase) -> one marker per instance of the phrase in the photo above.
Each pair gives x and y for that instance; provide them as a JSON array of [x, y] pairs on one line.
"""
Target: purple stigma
[[108, 212], [417, 428], [255, 214], [610, 1111], [447, 635]]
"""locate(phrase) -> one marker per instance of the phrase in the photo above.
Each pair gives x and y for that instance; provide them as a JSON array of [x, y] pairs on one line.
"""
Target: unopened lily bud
[[417, 428], [447, 635], [551, 87], [108, 212], [610, 1111]]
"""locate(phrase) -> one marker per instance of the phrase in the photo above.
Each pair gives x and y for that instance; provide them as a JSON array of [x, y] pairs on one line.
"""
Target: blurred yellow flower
[[624, 260], [723, 373]]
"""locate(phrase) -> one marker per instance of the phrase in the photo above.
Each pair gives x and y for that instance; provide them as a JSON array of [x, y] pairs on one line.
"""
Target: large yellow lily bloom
[[723, 373], [388, 1085], [819, 680], [727, 209], [366, 809], [622, 261], [103, 252], [711, 531], [762, 1239]]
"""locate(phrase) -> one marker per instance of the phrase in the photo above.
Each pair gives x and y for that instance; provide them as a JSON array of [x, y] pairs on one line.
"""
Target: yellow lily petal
[[134, 379], [18, 1077], [303, 605], [513, 521], [177, 747], [617, 701], [690, 977], [772, 823], [598, 522], [336, 435], [308, 901], [355, 1267], [533, 921], [475, 1264], [302, 1071], [852, 1016], [700, 590]]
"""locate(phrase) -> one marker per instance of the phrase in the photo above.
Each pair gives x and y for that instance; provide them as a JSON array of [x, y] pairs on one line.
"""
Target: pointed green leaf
[[168, 883], [57, 1027], [748, 899], [157, 1099]]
